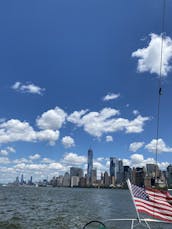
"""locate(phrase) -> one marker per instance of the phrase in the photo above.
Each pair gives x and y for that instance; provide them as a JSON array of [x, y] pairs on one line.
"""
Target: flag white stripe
[[155, 193], [155, 214], [161, 211], [159, 201], [152, 204]]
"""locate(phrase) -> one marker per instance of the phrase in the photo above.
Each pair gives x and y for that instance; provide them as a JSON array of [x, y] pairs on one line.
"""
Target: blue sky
[[76, 74]]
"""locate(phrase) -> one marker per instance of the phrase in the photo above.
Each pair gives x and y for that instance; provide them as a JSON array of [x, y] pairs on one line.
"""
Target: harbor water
[[64, 208]]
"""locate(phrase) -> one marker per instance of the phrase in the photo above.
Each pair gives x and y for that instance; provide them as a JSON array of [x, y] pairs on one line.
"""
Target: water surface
[[63, 208]]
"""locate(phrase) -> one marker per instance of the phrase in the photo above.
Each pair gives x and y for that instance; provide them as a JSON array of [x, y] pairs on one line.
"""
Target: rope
[[159, 88], [160, 84]]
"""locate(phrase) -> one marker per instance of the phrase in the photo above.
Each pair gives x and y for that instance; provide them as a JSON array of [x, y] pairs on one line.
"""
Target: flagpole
[[132, 196]]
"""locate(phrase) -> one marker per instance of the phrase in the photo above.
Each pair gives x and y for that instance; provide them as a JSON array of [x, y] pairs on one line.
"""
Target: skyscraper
[[90, 165], [113, 166], [75, 171]]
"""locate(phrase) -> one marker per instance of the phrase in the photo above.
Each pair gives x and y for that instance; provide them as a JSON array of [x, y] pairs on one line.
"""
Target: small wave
[[8, 225]]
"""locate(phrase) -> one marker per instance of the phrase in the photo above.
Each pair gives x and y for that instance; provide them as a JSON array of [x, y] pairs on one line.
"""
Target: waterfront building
[[151, 169], [106, 179], [17, 182], [74, 181], [93, 176], [127, 173], [138, 176], [113, 166], [120, 172], [83, 182], [169, 176], [22, 179], [148, 181], [102, 179], [59, 181], [89, 166], [66, 180], [74, 171], [116, 171], [30, 182]]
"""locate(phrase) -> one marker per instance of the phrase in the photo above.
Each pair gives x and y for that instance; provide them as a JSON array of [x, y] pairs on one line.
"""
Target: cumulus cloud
[[52, 119], [74, 159], [135, 146], [4, 160], [47, 160], [76, 117], [135, 112], [98, 123], [34, 157], [68, 142], [14, 130], [137, 160], [28, 88], [160, 144], [21, 160], [111, 96], [109, 138], [7, 150], [149, 57]]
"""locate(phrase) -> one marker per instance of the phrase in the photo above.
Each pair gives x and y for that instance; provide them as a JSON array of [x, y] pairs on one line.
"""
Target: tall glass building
[[113, 166], [90, 164]]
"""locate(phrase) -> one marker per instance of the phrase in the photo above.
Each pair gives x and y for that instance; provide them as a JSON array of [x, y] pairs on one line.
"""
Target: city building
[[93, 176], [74, 181], [89, 166], [120, 172], [169, 176], [138, 176], [74, 171], [66, 180], [106, 179]]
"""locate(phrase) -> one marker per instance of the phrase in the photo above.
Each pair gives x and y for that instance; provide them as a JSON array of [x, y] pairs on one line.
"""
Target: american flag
[[153, 202]]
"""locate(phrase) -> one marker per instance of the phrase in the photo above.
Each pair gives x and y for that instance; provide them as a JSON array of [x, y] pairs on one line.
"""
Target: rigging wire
[[160, 83]]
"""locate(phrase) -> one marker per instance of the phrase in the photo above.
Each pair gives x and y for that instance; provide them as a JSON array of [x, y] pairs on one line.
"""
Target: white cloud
[[48, 135], [111, 96], [137, 160], [14, 130], [56, 165], [68, 142], [163, 165], [98, 123], [28, 88], [149, 57], [34, 157], [21, 160], [161, 146], [11, 149], [47, 160], [52, 119], [135, 146], [4, 160], [76, 117], [3, 152], [73, 158], [136, 112], [109, 138]]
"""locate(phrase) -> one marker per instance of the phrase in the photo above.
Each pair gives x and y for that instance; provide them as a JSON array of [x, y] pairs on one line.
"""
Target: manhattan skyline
[[76, 74]]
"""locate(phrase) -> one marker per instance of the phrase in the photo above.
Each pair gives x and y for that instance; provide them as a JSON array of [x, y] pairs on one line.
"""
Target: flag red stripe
[[155, 215], [139, 201], [160, 195], [153, 210]]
